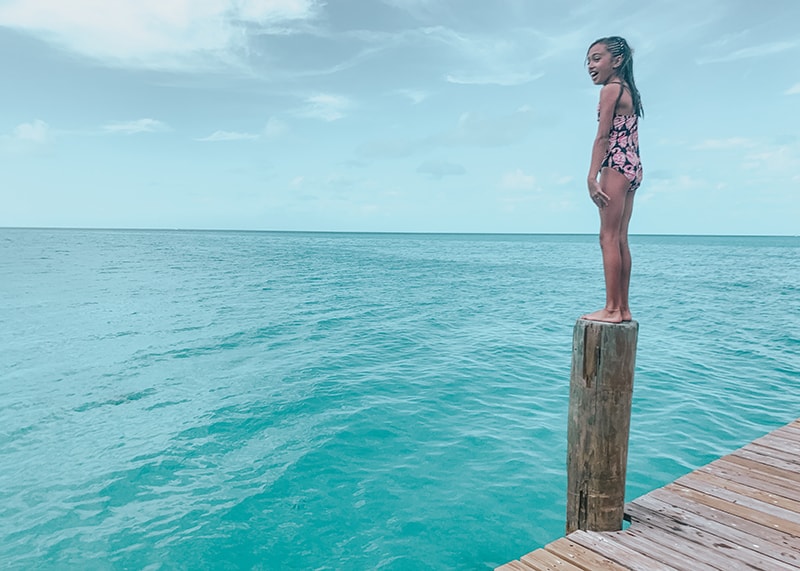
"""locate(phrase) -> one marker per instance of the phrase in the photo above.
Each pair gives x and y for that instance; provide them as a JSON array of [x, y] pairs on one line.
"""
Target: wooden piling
[[601, 389]]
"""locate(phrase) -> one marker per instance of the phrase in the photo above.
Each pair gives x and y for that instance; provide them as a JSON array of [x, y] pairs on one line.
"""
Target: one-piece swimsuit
[[623, 146]]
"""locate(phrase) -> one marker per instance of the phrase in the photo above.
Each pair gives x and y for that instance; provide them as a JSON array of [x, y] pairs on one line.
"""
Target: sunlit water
[[223, 400]]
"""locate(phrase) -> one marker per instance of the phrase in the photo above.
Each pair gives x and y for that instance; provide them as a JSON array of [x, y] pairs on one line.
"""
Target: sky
[[391, 115]]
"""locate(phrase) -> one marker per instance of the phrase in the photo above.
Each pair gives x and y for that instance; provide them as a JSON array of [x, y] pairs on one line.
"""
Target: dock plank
[[735, 505], [629, 558], [791, 430], [790, 459], [780, 443], [737, 473], [761, 529], [544, 560], [667, 548], [744, 487], [790, 519], [759, 466], [583, 558], [764, 457], [513, 566], [743, 547]]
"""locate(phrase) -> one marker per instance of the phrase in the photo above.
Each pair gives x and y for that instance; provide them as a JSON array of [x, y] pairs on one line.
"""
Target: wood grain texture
[[601, 389]]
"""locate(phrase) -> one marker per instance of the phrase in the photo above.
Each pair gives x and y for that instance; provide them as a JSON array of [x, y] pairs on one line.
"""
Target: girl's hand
[[596, 193]]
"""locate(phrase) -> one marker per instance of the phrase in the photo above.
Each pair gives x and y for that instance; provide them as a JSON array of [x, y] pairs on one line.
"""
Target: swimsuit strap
[[621, 91]]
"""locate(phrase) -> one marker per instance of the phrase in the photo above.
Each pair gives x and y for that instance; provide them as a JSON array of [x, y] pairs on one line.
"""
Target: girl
[[615, 157]]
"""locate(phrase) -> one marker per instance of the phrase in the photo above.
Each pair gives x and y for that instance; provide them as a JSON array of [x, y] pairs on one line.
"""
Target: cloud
[[475, 130], [471, 130], [518, 180], [137, 126], [488, 59], [775, 159], [751, 52], [439, 169], [667, 185], [27, 137], [472, 58], [416, 96], [229, 136], [341, 180], [410, 5], [36, 132], [325, 106], [729, 143], [502, 79], [155, 34], [390, 148], [275, 128], [793, 90]]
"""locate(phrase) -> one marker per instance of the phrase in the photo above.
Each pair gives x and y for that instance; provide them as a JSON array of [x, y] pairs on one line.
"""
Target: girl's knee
[[609, 236]]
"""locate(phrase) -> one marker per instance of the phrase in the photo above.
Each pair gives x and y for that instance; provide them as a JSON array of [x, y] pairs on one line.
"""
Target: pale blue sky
[[391, 115]]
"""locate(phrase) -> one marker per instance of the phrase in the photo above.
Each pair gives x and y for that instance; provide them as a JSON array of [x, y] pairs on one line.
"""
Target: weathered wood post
[[601, 388]]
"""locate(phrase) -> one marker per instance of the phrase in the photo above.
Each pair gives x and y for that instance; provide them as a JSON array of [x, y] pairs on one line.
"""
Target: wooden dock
[[741, 512]]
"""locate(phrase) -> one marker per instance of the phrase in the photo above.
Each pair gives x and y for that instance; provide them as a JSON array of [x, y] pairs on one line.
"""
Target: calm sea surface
[[234, 400]]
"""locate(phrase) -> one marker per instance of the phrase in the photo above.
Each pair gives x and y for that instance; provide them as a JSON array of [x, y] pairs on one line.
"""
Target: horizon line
[[387, 232]]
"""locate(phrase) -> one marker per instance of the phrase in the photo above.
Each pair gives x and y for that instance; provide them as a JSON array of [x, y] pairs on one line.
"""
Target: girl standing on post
[[615, 158]]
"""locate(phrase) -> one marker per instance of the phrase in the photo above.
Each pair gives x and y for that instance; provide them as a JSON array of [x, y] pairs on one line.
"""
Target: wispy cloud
[[134, 127], [411, 5], [671, 186], [729, 143], [502, 79], [228, 136], [391, 148], [472, 58], [783, 159], [27, 137], [471, 130], [151, 33], [416, 96], [488, 59], [325, 106], [793, 90], [275, 128], [518, 180], [438, 169], [36, 132], [475, 130], [751, 52]]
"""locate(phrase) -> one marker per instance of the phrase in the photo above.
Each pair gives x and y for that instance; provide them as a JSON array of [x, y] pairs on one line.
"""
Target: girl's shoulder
[[611, 92], [617, 96], [615, 87]]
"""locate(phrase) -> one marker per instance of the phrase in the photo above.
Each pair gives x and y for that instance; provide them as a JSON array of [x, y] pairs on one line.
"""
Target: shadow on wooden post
[[601, 388]]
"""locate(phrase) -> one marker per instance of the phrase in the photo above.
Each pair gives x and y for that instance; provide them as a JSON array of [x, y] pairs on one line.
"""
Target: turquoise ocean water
[[244, 400]]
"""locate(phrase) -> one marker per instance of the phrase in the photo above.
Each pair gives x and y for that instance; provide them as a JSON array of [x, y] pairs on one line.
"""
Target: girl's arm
[[608, 101]]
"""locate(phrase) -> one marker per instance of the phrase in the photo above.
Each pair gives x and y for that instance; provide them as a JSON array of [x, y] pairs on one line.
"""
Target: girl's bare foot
[[626, 315], [604, 315]]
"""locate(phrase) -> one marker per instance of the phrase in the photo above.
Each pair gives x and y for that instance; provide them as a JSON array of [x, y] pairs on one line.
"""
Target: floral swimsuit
[[623, 147]]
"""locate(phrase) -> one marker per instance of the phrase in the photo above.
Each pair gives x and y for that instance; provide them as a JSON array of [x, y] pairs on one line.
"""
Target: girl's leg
[[625, 253], [616, 186]]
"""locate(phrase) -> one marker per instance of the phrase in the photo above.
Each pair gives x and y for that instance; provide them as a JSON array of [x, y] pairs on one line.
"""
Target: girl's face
[[601, 64]]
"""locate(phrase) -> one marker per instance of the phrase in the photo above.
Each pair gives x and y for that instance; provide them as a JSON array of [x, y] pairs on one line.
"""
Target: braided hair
[[617, 46]]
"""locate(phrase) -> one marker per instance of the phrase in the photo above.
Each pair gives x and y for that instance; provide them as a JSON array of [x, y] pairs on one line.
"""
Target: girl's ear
[[616, 62]]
